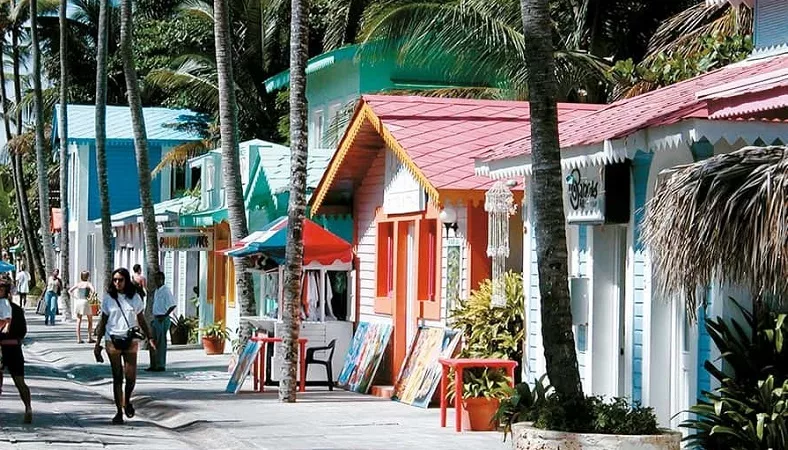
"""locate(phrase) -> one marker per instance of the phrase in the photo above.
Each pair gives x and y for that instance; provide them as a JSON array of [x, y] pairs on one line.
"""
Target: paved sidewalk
[[189, 398]]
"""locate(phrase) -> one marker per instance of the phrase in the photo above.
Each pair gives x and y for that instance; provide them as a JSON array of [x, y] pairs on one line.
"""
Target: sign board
[[402, 194], [243, 366], [185, 241], [584, 195]]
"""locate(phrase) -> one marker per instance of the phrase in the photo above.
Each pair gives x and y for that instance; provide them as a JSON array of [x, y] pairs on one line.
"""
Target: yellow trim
[[366, 113]]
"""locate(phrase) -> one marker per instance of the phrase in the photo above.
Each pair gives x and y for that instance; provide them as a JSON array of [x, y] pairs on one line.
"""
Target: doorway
[[607, 327], [684, 349]]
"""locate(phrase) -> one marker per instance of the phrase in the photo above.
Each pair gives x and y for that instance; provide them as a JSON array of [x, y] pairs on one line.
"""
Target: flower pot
[[526, 436], [213, 346], [179, 336], [94, 309], [480, 412]]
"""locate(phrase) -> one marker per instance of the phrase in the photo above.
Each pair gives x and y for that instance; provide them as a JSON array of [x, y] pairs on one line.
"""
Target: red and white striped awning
[[749, 3]]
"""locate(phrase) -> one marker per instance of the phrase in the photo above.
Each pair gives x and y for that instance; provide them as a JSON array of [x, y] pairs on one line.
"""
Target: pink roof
[[663, 106], [444, 136]]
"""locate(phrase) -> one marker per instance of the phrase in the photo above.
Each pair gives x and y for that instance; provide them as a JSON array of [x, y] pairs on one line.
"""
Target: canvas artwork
[[243, 366], [421, 372], [364, 356]]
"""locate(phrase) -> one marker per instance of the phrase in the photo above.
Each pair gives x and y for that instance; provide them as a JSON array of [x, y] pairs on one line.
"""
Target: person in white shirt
[[22, 285], [122, 313], [163, 305]]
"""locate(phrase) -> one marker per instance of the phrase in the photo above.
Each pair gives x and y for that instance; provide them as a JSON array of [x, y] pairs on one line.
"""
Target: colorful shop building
[[630, 341], [404, 170]]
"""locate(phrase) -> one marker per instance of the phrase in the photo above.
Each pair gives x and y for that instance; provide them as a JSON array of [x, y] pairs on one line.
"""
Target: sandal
[[129, 410], [118, 419]]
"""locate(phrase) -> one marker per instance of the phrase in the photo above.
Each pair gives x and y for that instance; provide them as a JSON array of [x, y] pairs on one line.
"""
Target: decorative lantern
[[499, 204]]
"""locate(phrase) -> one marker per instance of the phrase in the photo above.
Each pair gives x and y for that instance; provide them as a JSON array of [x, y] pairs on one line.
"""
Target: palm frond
[[198, 8], [192, 73], [721, 219], [178, 155]]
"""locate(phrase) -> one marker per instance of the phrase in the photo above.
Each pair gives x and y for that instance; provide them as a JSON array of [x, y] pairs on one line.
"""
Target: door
[[412, 265], [684, 372]]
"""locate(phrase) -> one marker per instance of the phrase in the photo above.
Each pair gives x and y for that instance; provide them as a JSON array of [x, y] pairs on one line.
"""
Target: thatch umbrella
[[722, 219]]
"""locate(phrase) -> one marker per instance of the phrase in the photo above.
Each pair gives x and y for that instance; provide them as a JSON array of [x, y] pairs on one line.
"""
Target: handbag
[[123, 341]]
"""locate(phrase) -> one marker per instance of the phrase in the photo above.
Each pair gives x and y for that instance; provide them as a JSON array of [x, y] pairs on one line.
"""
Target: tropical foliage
[[749, 410]]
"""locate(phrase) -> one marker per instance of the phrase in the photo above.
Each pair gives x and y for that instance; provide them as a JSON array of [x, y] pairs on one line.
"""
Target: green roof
[[203, 218], [314, 64], [172, 208]]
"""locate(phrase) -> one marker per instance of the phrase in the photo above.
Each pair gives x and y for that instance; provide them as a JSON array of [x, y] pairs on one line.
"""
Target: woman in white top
[[121, 310], [84, 289]]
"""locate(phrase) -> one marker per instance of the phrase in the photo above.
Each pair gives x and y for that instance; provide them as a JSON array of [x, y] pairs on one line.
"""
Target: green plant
[[217, 330], [750, 408], [522, 404], [492, 332], [188, 324], [542, 406]]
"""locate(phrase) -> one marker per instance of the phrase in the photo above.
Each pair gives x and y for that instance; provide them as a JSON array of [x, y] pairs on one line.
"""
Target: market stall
[[327, 307]]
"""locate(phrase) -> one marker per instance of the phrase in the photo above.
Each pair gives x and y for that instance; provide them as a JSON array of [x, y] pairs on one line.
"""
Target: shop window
[[384, 272], [195, 177], [323, 299]]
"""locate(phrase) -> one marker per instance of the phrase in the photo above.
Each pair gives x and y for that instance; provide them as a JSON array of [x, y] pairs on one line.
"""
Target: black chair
[[310, 359]]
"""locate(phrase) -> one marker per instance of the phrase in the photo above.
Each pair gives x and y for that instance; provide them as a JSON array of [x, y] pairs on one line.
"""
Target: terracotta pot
[[213, 346], [480, 412], [94, 309]]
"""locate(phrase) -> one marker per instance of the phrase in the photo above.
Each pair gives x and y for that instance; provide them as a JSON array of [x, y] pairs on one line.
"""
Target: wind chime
[[499, 204]]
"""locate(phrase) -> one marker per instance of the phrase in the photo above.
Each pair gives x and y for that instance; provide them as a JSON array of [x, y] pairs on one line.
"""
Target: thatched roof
[[722, 219]]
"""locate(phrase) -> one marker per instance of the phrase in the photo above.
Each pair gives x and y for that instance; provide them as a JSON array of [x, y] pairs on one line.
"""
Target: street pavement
[[186, 407]]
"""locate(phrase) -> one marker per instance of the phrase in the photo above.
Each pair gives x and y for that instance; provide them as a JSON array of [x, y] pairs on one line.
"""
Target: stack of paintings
[[421, 372], [364, 356]]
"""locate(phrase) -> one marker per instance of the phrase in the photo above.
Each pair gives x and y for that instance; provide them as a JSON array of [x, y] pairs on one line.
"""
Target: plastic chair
[[327, 363]]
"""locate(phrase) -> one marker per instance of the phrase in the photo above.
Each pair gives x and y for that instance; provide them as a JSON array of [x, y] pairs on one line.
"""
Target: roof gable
[[437, 139], [160, 123]]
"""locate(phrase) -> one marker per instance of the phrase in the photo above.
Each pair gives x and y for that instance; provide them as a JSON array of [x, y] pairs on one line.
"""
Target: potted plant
[[181, 330], [93, 301], [213, 338], [481, 398]]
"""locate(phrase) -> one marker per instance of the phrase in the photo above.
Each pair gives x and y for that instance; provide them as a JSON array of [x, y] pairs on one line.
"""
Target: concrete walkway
[[189, 398]]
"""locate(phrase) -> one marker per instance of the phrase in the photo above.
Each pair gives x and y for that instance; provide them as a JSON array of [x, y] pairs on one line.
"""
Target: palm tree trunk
[[141, 150], [550, 228], [296, 209], [31, 245], [101, 139], [42, 161], [231, 167], [64, 206]]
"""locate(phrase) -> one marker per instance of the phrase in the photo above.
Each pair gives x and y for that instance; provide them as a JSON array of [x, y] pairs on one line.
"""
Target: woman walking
[[54, 285], [84, 289], [121, 320]]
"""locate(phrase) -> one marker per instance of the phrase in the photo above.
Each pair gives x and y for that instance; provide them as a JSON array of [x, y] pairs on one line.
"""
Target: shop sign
[[584, 192], [185, 241]]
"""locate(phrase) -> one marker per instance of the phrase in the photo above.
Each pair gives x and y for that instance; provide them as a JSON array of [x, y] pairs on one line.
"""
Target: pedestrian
[[121, 320], [12, 331], [22, 285], [84, 290], [163, 306], [140, 283], [54, 285]]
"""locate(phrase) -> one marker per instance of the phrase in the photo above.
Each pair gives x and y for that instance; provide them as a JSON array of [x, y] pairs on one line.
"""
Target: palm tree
[[550, 229], [17, 19], [41, 156], [64, 206], [231, 167], [140, 148], [296, 209], [101, 138]]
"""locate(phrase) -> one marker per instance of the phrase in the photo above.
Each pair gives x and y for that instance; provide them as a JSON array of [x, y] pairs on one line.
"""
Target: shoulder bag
[[123, 341]]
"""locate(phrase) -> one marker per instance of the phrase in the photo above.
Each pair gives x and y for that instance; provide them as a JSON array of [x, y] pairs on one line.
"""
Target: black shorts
[[13, 360]]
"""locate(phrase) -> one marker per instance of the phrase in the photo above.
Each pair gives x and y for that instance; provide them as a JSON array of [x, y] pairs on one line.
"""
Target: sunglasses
[[118, 280]]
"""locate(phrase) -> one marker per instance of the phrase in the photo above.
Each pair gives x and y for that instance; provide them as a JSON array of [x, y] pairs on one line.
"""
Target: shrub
[[750, 408], [549, 411]]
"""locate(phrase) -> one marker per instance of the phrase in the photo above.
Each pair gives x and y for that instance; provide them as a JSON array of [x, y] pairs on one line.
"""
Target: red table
[[460, 364], [259, 365]]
